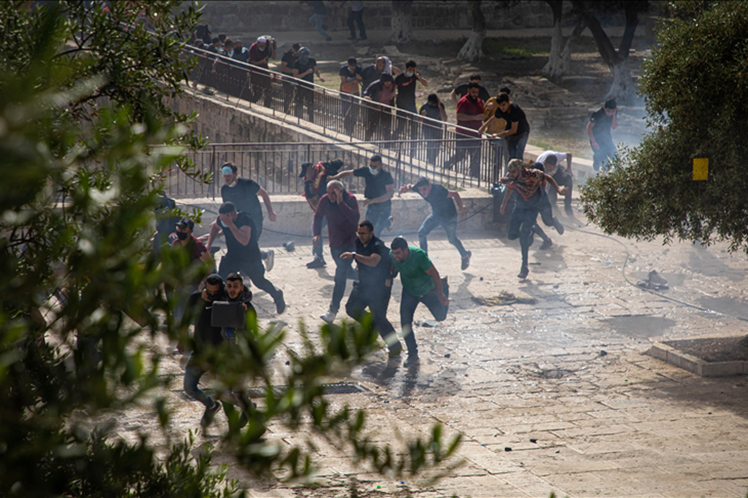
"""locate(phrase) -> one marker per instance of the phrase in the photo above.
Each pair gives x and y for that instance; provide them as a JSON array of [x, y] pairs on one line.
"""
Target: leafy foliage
[[84, 142], [695, 88]]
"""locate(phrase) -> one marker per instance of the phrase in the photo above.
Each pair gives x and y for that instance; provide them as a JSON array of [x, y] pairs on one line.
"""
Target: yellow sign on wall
[[700, 169]]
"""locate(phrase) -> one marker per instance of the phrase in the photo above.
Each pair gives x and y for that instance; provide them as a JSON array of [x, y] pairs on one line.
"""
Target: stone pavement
[[556, 396]]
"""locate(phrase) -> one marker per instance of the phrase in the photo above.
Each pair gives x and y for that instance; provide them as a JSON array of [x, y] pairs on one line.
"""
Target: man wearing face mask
[[246, 194], [383, 93], [259, 53], [380, 187], [469, 121], [198, 256], [206, 337], [341, 210], [196, 250], [242, 251], [305, 68]]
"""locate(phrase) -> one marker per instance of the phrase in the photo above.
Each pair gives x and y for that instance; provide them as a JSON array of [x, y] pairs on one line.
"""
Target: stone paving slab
[[615, 424]]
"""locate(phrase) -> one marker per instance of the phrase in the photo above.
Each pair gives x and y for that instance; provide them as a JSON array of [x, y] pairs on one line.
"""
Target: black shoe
[[317, 262], [546, 244], [412, 359], [466, 260], [280, 303], [445, 287], [523, 272], [558, 226], [395, 351], [210, 414]]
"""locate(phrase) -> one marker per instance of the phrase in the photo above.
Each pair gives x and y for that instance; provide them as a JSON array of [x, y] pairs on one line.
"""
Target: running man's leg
[[427, 226]]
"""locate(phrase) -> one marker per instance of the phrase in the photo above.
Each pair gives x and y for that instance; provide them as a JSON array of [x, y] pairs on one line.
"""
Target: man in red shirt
[[469, 120], [259, 53]]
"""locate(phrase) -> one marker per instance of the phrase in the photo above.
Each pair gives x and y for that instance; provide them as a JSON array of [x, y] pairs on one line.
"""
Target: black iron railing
[[441, 147]]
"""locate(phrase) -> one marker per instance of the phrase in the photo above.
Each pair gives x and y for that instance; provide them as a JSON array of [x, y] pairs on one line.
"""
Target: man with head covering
[[259, 53], [382, 93], [305, 68], [529, 183], [433, 132]]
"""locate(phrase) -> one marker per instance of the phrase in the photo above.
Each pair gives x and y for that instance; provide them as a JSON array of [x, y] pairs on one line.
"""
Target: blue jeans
[[378, 214], [317, 250], [524, 217], [192, 374], [450, 226], [516, 146], [318, 20], [342, 271], [408, 305], [606, 152]]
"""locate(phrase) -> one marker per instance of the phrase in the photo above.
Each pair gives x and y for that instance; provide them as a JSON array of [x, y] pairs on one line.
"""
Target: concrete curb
[[696, 365]]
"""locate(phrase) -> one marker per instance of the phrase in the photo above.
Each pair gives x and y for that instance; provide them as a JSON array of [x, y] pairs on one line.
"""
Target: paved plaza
[[556, 396]]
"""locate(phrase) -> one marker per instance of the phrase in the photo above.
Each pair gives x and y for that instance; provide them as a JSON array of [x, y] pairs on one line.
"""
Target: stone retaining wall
[[266, 17]]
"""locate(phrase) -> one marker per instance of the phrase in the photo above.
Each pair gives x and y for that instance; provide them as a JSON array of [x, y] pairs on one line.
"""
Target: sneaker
[[546, 244], [558, 226], [329, 39], [445, 287], [569, 211], [329, 317], [280, 303], [466, 260], [270, 261], [523, 272], [395, 351], [210, 414], [412, 359], [390, 222], [317, 262]]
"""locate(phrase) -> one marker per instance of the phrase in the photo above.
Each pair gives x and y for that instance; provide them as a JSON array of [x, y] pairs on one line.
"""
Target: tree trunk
[[402, 28], [559, 59], [473, 48], [623, 88]]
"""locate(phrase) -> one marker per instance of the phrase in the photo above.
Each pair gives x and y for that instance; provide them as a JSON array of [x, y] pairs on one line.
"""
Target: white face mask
[[373, 171]]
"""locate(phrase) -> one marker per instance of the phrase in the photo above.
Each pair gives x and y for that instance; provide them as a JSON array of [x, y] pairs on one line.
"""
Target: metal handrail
[[360, 120]]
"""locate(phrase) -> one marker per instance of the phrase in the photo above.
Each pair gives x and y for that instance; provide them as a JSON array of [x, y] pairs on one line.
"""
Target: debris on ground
[[653, 281], [504, 299]]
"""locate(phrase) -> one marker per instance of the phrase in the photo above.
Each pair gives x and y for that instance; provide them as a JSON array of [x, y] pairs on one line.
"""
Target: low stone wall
[[409, 210]]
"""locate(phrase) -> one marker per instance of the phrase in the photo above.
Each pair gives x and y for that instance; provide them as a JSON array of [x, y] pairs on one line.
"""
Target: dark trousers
[[349, 109], [342, 271], [431, 133], [358, 18], [305, 97], [288, 94], [192, 374], [521, 224], [563, 179], [261, 87], [467, 147], [380, 123], [251, 268], [408, 305], [376, 298], [516, 145]]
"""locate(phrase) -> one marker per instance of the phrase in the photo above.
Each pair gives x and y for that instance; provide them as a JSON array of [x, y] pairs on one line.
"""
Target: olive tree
[[695, 90]]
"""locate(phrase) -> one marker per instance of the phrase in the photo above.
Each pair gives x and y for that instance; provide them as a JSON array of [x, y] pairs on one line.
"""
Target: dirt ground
[[515, 62]]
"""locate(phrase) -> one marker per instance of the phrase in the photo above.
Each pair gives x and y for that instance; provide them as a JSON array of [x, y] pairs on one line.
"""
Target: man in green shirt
[[421, 284]]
